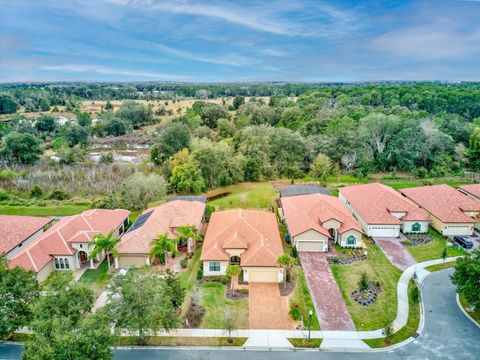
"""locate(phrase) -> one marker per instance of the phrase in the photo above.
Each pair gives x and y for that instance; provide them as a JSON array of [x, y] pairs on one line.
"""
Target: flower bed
[[366, 297], [417, 239], [346, 260]]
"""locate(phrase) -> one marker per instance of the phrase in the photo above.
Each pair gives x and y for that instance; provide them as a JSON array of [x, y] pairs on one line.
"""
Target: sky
[[247, 41]]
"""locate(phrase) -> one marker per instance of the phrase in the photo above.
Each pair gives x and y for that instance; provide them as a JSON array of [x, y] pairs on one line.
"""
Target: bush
[[36, 192], [200, 273], [183, 263], [294, 252], [8, 173], [58, 195], [4, 195], [209, 210], [106, 158], [363, 284], [295, 312]]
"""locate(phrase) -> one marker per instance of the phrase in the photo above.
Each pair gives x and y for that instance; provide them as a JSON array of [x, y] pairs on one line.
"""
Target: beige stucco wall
[[331, 224], [262, 274], [207, 272], [450, 229], [311, 240], [132, 260], [42, 275], [343, 238], [235, 252]]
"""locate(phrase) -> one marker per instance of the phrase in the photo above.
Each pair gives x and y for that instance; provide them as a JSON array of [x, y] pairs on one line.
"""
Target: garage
[[304, 245], [453, 230], [384, 230], [261, 275], [132, 260]]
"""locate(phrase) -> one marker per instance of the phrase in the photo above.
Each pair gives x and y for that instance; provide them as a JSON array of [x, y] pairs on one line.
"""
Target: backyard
[[244, 195], [433, 249], [379, 269]]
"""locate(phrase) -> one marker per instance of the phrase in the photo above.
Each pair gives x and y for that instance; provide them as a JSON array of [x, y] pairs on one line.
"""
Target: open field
[[378, 268], [35, 210], [433, 250]]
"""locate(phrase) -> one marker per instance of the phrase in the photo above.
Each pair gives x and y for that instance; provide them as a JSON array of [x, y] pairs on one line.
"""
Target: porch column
[[116, 262], [147, 260], [91, 263], [189, 245]]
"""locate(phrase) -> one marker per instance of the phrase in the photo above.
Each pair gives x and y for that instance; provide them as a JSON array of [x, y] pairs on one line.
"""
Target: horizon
[[252, 42]]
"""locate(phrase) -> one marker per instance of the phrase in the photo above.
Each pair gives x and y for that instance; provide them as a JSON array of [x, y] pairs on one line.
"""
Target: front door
[[82, 255]]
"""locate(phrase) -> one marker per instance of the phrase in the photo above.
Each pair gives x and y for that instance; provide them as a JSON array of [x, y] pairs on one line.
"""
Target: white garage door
[[384, 231], [457, 230], [311, 245], [263, 276]]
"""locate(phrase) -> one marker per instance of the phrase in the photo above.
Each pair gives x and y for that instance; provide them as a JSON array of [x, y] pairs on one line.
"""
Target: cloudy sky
[[51, 40]]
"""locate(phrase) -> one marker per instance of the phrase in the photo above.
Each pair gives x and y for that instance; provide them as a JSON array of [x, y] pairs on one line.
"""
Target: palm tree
[[286, 262], [187, 232], [233, 271], [161, 246], [101, 242]]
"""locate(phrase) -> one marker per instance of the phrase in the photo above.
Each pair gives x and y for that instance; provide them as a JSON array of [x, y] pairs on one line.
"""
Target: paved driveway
[[331, 310], [267, 309], [395, 252]]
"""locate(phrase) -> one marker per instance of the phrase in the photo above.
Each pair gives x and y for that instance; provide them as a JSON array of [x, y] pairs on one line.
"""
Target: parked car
[[463, 241]]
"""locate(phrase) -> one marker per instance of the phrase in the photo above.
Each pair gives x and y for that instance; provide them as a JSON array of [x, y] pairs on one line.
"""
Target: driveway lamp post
[[310, 323]]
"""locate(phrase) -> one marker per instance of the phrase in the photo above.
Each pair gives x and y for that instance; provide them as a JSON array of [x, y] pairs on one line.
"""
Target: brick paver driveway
[[331, 310], [395, 252], [267, 309]]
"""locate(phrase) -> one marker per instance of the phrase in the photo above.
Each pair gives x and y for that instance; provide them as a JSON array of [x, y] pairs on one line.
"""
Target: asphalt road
[[448, 334]]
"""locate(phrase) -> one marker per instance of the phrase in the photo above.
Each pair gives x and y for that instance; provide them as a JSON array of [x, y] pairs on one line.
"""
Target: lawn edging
[[457, 297]]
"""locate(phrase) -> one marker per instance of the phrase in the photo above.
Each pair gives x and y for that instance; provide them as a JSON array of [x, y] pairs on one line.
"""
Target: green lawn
[[182, 341], [438, 267], [189, 279], [405, 332], [97, 278], [475, 315], [212, 295], [244, 195], [49, 210], [305, 343], [433, 250], [301, 296], [378, 268]]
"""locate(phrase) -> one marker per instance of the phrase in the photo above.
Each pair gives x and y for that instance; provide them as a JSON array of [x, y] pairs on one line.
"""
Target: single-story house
[[249, 238], [18, 231], [134, 246], [451, 212], [382, 211], [472, 190], [314, 219], [295, 190], [66, 245]]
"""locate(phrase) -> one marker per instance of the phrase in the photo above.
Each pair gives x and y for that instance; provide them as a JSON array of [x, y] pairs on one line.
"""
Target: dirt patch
[[287, 289], [195, 313]]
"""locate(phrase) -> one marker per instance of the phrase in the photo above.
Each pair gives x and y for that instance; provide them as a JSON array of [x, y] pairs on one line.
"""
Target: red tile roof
[[444, 202], [473, 189], [163, 220], [57, 240], [16, 229], [307, 212], [375, 203], [252, 230]]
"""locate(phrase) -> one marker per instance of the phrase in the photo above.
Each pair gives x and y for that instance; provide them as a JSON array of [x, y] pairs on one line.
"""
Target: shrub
[[363, 282], [209, 210], [8, 173], [36, 192], [295, 312], [294, 252], [4, 195], [106, 158], [58, 195], [200, 273], [183, 263]]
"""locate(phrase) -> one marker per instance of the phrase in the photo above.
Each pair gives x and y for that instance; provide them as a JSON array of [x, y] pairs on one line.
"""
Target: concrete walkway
[[395, 252]]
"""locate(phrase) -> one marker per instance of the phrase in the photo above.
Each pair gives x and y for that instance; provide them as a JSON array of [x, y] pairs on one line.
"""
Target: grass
[[442, 266], [378, 268], [301, 296], [189, 279], [97, 278], [433, 250], [244, 195], [182, 341], [306, 343], [405, 332], [49, 210], [213, 299], [475, 314]]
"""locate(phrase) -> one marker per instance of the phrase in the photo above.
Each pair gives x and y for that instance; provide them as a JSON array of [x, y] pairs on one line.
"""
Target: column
[[116, 262], [91, 263], [147, 260]]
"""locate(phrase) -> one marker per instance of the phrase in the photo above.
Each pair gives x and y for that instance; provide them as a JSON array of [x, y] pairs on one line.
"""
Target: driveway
[[267, 309], [331, 310], [395, 252]]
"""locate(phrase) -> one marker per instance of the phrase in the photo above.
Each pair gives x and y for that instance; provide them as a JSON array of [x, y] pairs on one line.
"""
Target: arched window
[[235, 260], [416, 227], [67, 265], [351, 240], [62, 265], [56, 264]]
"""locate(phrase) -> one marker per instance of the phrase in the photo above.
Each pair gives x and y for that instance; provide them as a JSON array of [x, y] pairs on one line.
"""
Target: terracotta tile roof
[[16, 229], [56, 241], [163, 220], [252, 230], [473, 189], [307, 212], [444, 202], [374, 203]]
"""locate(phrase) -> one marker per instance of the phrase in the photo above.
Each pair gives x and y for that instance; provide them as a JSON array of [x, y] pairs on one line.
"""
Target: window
[[214, 266], [67, 265], [416, 227], [351, 240], [56, 264], [235, 260], [62, 265]]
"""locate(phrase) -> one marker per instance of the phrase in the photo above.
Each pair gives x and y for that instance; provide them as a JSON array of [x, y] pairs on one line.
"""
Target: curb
[[465, 311]]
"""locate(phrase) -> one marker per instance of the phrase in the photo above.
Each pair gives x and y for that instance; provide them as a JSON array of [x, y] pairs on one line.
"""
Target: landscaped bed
[[300, 298], [433, 249], [378, 268]]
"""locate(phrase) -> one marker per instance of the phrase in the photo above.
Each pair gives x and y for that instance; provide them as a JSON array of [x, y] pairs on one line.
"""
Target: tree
[[135, 114], [415, 295], [238, 101], [172, 139], [141, 304], [363, 283], [187, 232], [175, 289], [76, 134], [45, 124], [467, 278], [444, 254], [286, 262], [229, 324], [7, 105], [211, 113], [71, 155], [321, 167], [474, 149], [22, 148], [105, 243], [18, 291], [161, 246], [388, 332], [138, 190], [84, 119], [108, 106], [233, 271], [187, 178]]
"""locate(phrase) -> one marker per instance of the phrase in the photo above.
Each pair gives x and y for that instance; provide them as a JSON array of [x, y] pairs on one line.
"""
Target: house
[[66, 245], [314, 219], [451, 212], [382, 211], [18, 231], [134, 246], [249, 238], [472, 190]]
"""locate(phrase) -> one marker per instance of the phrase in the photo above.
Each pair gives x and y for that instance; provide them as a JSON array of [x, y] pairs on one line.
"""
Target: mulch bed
[[195, 313], [238, 294], [417, 240], [345, 260], [286, 290], [366, 297]]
